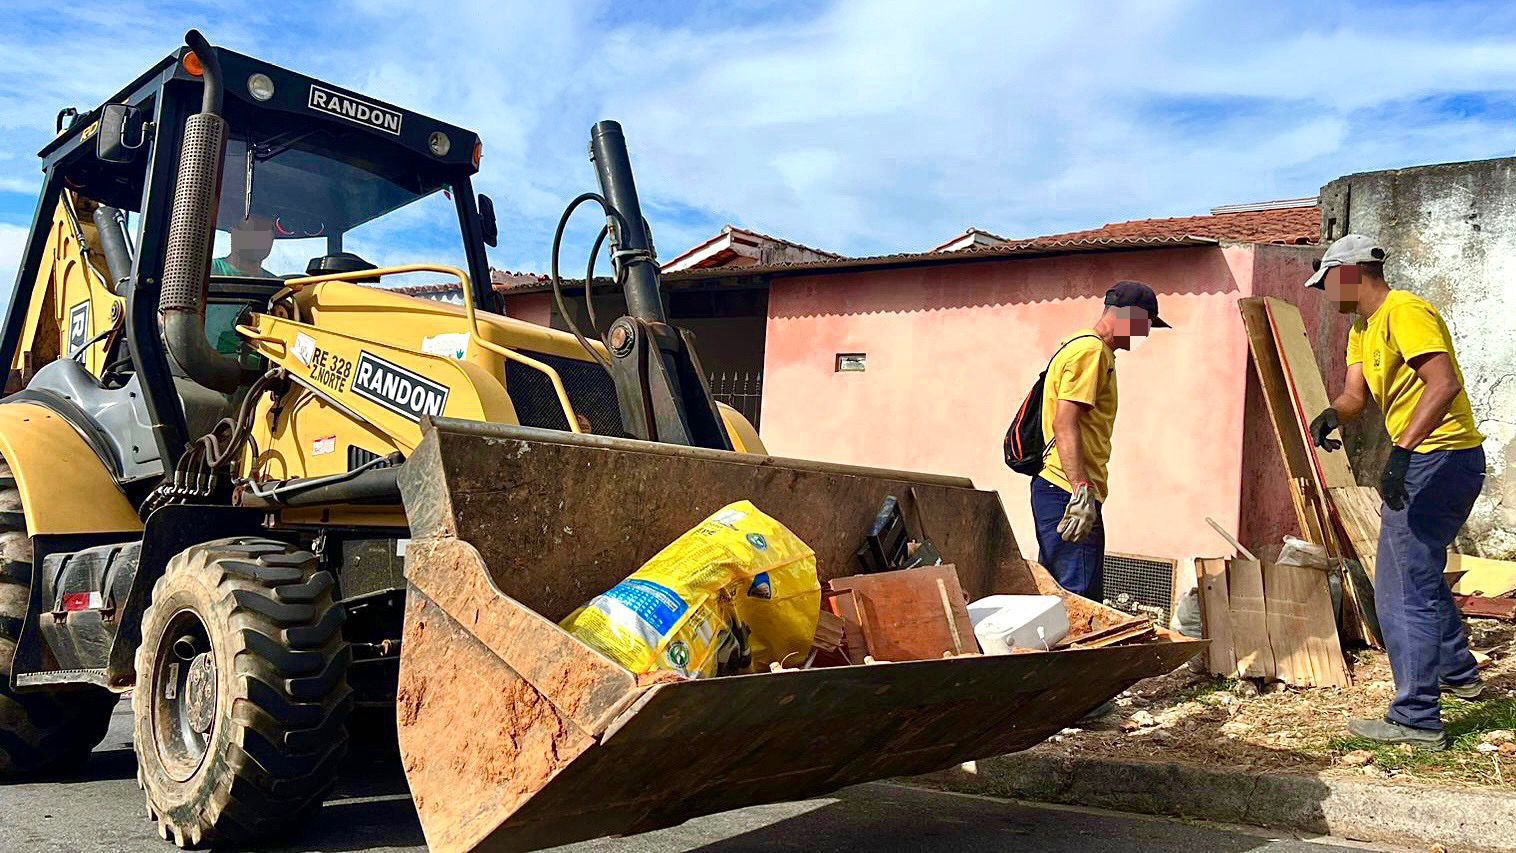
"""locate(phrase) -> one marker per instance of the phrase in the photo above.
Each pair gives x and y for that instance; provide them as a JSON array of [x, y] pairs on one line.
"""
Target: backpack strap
[[1047, 446]]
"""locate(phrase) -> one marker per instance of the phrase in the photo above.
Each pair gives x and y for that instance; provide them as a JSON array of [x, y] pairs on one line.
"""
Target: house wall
[[1451, 235], [531, 307], [952, 350]]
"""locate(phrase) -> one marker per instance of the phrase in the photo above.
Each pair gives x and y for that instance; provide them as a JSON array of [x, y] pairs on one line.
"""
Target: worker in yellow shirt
[[1400, 352], [1078, 419]]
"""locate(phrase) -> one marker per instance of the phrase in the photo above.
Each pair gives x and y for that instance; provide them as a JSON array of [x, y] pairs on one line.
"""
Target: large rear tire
[[41, 731], [242, 697]]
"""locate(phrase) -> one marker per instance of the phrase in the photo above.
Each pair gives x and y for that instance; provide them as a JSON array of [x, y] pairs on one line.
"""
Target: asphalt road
[[102, 811]]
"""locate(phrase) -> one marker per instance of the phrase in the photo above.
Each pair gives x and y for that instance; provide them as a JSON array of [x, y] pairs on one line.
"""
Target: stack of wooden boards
[[1332, 510], [1270, 621]]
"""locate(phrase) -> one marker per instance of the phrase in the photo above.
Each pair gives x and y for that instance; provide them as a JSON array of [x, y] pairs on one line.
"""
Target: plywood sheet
[[1250, 628], [1358, 508], [1303, 628], [1308, 389], [911, 614], [1216, 614], [1271, 378], [1489, 578]]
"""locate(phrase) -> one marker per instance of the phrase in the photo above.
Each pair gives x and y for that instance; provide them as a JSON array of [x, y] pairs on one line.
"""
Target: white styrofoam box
[[1004, 622]]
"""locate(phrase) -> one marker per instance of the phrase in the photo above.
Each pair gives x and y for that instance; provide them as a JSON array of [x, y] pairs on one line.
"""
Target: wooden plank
[[905, 613], [1483, 576], [1250, 629], [1302, 627], [1308, 390], [1358, 508], [1216, 614], [1270, 372]]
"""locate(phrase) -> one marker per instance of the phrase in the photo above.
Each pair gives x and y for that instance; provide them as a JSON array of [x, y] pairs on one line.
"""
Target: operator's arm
[[1435, 369], [1069, 440], [1355, 394]]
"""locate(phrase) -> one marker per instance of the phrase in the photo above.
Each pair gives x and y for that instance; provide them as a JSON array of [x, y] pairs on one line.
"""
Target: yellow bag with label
[[689, 608]]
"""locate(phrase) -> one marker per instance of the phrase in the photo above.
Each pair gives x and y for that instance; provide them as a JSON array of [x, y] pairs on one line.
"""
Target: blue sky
[[860, 126]]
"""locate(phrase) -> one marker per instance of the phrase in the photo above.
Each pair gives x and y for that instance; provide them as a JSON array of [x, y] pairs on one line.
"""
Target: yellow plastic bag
[[677, 612], [781, 608]]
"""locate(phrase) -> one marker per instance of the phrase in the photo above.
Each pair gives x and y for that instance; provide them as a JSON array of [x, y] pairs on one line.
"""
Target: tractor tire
[[242, 698], [41, 731]]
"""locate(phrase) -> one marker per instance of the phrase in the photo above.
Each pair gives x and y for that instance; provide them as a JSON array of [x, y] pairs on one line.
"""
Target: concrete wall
[[1451, 233], [952, 350]]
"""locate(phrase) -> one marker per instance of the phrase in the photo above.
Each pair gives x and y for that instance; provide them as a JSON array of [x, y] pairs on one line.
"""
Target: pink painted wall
[[531, 307], [953, 349]]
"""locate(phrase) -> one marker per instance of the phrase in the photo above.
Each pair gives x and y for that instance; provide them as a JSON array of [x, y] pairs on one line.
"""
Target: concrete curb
[[1382, 812]]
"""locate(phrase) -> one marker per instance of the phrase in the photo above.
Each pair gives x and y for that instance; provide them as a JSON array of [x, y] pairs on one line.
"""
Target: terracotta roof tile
[[1292, 225]]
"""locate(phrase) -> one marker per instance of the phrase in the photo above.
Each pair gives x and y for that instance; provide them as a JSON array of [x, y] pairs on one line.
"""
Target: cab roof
[[293, 93]]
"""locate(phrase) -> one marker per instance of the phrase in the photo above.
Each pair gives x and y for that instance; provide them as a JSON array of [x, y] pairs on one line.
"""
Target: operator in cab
[[252, 239], [1400, 352], [1078, 420]]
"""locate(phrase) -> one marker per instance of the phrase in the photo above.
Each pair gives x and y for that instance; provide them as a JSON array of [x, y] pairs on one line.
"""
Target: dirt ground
[[1196, 718]]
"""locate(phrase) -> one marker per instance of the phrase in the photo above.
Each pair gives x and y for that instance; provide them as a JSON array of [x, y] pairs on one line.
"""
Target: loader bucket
[[516, 736]]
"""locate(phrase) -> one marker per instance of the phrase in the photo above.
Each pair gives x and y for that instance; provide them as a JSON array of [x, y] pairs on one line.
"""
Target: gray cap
[[1348, 249]]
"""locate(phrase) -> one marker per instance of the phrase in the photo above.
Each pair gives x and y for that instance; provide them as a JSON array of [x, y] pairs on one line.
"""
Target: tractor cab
[[315, 180]]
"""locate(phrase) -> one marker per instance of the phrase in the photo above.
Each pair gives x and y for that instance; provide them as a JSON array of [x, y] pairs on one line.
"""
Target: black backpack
[[1026, 448]]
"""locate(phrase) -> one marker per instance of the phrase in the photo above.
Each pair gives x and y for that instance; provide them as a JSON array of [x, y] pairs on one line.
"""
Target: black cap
[[1135, 294]]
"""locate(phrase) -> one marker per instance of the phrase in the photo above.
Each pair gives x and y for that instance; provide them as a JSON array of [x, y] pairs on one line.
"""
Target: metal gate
[[740, 389]]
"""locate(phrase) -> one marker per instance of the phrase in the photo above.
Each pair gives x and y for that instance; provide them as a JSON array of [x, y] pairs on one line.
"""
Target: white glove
[[1079, 516]]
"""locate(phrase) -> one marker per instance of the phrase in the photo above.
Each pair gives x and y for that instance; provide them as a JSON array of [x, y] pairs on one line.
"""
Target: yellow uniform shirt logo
[[1404, 327]]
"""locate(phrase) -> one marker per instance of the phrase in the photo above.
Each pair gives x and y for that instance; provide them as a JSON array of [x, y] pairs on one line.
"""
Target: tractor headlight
[[439, 143], [260, 87]]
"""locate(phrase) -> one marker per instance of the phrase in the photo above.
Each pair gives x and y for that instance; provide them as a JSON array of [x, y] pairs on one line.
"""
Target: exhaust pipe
[[191, 234]]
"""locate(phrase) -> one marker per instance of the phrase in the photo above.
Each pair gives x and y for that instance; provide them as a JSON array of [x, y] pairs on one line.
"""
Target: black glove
[[1324, 424], [1392, 481]]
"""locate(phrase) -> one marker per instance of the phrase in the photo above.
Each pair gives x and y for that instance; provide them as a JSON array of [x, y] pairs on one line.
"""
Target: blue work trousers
[[1077, 568], [1423, 631]]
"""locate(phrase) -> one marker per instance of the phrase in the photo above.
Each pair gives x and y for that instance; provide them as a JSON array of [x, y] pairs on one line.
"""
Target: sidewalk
[[1379, 811]]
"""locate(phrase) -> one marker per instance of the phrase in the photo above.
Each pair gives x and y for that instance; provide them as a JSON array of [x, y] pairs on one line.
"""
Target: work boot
[[1388, 731], [1468, 692]]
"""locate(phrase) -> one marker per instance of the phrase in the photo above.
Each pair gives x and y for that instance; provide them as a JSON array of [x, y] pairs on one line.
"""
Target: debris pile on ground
[[1190, 717]]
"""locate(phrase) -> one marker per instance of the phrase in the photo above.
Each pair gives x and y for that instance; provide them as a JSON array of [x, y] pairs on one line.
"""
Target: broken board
[[1250, 627], [910, 614], [1302, 627], [1216, 614]]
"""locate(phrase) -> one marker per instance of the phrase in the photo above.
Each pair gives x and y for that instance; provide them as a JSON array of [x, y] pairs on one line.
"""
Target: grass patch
[[1466, 723]]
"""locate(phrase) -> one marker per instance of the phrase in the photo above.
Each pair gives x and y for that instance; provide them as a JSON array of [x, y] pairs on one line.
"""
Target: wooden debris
[[1250, 626], [1303, 628], [1216, 614], [1503, 609], [910, 614], [1140, 628], [1483, 576], [1295, 392]]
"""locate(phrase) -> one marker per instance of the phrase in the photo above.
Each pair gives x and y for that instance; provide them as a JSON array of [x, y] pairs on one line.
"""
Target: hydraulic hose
[[557, 281]]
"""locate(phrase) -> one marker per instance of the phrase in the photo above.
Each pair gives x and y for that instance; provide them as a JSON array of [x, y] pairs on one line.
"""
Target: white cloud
[[866, 125], [12, 243]]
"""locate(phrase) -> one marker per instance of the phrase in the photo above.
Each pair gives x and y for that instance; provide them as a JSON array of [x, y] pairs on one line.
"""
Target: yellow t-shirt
[[1084, 371], [1404, 327]]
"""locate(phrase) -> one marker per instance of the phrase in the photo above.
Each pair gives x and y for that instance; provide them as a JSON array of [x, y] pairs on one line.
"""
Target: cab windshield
[[292, 194]]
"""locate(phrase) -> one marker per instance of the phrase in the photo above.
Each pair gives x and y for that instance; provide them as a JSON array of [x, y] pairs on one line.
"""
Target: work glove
[[1322, 426], [1079, 516], [1392, 481]]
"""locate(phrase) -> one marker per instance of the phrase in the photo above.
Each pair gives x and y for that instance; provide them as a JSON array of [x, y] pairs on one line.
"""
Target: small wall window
[[852, 362]]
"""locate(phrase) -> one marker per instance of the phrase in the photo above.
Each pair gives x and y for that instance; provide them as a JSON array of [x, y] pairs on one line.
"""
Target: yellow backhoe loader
[[248, 483]]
